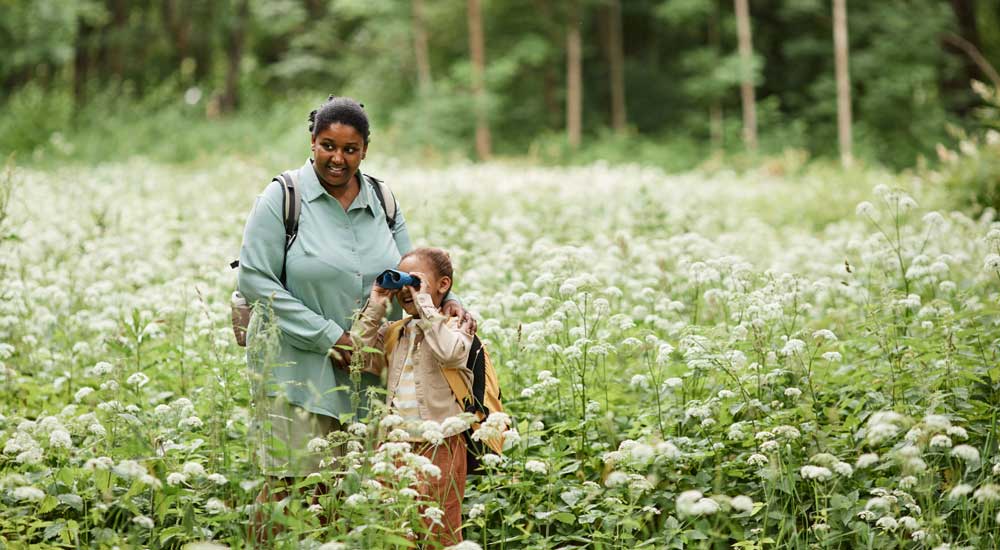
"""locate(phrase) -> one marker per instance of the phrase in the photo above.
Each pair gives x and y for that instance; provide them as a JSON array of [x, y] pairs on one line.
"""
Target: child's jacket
[[437, 343]]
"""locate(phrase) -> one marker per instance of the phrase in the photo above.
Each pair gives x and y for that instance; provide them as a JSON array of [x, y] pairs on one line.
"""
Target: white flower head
[[434, 514], [317, 445], [693, 503], [535, 466], [967, 453], [29, 494], [138, 379], [143, 521], [60, 439]]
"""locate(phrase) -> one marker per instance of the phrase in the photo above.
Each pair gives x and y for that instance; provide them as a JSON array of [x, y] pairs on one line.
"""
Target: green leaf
[[48, 504], [73, 501], [565, 517], [53, 531]]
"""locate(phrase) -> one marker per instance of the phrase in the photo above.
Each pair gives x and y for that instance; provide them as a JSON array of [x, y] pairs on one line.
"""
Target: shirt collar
[[312, 189]]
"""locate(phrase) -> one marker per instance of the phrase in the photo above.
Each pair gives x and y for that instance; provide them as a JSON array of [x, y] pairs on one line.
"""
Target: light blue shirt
[[329, 272]]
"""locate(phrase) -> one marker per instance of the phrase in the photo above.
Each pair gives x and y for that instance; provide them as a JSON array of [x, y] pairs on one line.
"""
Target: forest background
[[554, 81]]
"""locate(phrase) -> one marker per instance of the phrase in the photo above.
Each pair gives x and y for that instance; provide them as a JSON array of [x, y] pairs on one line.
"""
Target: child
[[417, 388]]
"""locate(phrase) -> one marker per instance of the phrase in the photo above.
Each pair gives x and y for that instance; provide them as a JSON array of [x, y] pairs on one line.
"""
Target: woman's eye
[[328, 147], [350, 150]]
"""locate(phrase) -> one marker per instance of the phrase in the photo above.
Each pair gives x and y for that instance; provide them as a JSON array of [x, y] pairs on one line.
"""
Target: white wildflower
[[138, 379], [536, 466], [960, 491], [692, 503], [317, 445], [143, 521], [815, 472], [967, 453], [28, 493]]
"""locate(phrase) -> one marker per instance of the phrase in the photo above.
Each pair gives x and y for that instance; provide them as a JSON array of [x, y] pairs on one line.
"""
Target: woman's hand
[[451, 308]]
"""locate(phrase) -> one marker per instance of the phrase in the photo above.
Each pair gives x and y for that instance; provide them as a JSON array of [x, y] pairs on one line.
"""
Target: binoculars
[[393, 279]]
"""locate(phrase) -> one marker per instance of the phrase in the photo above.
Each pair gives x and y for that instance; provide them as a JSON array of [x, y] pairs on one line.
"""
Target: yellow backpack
[[484, 398]]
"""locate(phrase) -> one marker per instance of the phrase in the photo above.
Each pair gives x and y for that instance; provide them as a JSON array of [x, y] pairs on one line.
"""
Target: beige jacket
[[438, 344]]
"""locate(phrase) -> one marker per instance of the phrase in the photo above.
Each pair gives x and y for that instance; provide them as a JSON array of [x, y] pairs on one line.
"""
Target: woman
[[343, 243]]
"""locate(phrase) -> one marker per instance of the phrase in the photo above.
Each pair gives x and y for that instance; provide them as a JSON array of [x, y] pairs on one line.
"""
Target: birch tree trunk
[[841, 48], [478, 53], [574, 76], [746, 84]]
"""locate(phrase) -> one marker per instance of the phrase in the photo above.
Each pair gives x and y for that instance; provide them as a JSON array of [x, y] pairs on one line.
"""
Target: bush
[[971, 175]]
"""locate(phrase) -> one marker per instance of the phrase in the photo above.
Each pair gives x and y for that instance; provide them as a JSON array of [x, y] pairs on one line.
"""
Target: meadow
[[779, 358]]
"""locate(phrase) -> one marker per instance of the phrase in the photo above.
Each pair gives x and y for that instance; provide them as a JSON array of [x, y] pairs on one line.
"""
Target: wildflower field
[[694, 361]]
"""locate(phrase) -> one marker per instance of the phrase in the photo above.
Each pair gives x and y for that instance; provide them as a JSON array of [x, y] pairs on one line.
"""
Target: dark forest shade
[[653, 68]]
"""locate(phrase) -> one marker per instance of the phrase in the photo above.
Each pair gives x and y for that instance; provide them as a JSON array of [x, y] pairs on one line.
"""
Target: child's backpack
[[291, 207], [485, 397]]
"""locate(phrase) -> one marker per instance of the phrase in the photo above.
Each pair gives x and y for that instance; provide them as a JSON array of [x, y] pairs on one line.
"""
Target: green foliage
[[697, 361], [103, 60], [970, 175]]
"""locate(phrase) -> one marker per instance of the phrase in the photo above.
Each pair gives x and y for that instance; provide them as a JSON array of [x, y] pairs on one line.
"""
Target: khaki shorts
[[283, 438]]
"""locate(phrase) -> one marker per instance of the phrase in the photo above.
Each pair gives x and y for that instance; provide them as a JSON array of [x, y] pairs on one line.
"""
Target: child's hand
[[425, 287], [381, 295]]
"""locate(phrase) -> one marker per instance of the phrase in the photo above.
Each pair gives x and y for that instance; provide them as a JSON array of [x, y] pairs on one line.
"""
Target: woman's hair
[[343, 110], [438, 258]]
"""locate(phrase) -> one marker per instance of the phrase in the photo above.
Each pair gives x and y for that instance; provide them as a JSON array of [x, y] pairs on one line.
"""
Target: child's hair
[[437, 257]]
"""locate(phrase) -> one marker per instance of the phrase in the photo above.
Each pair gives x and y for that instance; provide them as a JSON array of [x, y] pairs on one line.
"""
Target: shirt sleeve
[[261, 257], [370, 329], [448, 344], [400, 233]]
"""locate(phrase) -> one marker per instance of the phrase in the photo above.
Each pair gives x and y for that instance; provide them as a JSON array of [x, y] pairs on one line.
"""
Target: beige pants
[[284, 437]]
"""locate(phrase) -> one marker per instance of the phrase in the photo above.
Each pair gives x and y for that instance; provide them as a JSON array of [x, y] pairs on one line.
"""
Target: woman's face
[[337, 153]]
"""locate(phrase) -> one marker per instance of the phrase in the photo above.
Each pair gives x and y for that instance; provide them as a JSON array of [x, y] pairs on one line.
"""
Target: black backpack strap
[[388, 205], [477, 364], [291, 207]]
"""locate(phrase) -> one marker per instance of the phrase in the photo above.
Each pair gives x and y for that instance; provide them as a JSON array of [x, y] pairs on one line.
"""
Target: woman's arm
[[261, 258]]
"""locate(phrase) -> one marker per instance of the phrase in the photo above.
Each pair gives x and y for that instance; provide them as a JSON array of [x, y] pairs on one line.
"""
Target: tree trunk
[[616, 66], [574, 76], [178, 27], [550, 73], [841, 51], [115, 40], [477, 50], [716, 125], [81, 63], [746, 84], [237, 34], [420, 50]]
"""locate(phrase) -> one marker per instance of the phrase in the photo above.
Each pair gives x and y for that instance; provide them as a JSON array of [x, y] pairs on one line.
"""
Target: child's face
[[438, 286]]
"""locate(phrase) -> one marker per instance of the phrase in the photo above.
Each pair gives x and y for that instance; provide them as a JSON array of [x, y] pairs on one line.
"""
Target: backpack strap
[[291, 207], [392, 335], [386, 199]]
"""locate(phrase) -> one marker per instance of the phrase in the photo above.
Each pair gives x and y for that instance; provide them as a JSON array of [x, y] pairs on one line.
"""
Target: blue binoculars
[[394, 279]]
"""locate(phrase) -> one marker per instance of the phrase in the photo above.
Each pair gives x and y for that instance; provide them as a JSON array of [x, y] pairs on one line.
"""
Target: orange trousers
[[448, 490]]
